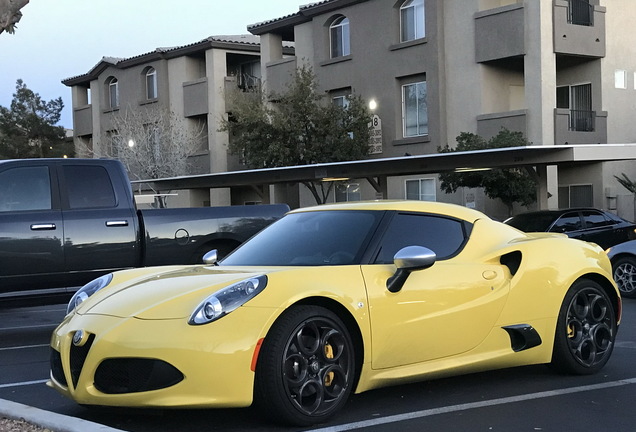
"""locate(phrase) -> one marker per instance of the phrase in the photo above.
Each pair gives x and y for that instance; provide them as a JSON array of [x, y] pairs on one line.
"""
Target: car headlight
[[88, 290], [227, 299]]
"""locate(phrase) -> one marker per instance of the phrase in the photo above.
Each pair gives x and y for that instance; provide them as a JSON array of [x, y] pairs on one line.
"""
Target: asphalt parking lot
[[523, 399]]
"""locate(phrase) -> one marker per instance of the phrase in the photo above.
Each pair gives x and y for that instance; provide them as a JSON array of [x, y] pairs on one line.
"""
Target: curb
[[50, 420]]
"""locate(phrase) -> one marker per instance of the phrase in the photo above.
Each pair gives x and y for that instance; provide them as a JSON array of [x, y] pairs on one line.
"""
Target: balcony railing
[[582, 120], [580, 12]]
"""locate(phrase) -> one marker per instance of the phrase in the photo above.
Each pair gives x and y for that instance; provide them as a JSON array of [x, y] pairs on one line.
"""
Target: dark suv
[[589, 224]]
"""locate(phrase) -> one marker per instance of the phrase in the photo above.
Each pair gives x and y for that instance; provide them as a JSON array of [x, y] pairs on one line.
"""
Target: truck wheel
[[306, 367], [585, 331]]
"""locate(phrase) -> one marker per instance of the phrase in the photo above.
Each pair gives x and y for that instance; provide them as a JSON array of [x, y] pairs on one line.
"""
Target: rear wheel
[[625, 276], [586, 329], [306, 367]]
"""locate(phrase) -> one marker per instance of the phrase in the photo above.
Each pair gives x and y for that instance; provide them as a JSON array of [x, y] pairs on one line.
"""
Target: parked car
[[589, 224], [334, 299], [623, 258], [64, 222]]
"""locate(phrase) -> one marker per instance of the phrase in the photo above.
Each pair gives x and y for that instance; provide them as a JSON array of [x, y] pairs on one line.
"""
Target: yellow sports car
[[334, 299]]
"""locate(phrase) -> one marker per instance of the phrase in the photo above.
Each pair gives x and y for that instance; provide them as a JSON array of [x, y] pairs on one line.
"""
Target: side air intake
[[522, 337]]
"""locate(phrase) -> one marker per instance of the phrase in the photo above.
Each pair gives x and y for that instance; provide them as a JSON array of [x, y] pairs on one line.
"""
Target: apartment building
[[559, 71], [190, 81]]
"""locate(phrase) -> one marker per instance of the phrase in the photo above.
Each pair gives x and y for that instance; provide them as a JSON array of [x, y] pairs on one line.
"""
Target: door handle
[[119, 223], [42, 226]]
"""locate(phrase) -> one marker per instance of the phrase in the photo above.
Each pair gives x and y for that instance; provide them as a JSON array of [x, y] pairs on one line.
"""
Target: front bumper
[[157, 363]]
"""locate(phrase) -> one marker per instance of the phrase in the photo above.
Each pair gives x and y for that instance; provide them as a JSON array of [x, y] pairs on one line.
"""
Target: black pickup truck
[[64, 222]]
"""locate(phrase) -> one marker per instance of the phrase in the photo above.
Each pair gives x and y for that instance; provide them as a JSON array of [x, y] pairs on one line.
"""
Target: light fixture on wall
[[373, 104]]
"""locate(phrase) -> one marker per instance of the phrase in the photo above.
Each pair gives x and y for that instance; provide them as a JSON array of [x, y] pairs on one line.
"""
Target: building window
[[578, 99], [412, 20], [414, 110], [347, 192], [576, 196], [339, 33], [341, 101], [151, 83], [250, 75], [580, 12], [420, 190], [113, 93], [620, 79]]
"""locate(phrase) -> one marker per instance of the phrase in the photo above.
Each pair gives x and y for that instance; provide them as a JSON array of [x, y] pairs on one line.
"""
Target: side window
[[89, 187], [25, 188], [442, 235], [567, 223], [595, 219]]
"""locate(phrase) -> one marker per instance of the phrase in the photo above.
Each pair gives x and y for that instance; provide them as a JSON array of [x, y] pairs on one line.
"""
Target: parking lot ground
[[531, 398]]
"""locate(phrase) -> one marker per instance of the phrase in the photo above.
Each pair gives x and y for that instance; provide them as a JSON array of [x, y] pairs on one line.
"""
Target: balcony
[[500, 33], [489, 125], [279, 73], [580, 127], [579, 28], [83, 120], [195, 98]]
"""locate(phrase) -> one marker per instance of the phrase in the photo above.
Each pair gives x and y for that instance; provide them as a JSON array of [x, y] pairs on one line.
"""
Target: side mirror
[[210, 258], [406, 260]]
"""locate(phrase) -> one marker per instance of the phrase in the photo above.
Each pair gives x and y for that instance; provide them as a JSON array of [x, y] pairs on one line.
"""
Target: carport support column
[[548, 187]]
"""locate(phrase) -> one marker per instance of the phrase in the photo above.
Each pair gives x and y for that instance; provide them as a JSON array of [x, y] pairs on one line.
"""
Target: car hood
[[164, 294]]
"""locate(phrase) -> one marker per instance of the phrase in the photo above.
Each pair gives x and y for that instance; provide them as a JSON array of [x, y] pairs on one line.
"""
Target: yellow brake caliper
[[329, 355]]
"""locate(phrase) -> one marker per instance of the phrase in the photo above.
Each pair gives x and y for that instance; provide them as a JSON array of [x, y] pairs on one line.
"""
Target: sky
[[59, 39]]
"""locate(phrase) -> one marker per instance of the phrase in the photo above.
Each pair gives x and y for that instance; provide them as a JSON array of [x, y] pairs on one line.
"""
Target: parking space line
[[52, 326], [21, 384], [473, 405], [23, 347]]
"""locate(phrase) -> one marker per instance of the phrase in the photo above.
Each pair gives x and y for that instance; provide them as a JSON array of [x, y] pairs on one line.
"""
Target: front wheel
[[306, 367], [624, 270], [585, 331]]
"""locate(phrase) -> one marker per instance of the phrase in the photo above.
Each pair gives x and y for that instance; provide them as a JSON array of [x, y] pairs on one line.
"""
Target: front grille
[[78, 357], [133, 375], [56, 368]]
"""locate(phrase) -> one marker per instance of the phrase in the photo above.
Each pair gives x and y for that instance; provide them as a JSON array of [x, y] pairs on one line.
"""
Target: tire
[[306, 367], [624, 273], [585, 331]]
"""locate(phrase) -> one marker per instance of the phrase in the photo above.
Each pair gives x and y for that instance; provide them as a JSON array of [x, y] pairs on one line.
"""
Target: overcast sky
[[58, 39]]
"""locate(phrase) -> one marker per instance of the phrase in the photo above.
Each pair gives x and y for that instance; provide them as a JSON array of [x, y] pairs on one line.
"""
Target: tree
[[10, 14], [152, 143], [28, 128], [628, 184], [510, 185], [297, 127]]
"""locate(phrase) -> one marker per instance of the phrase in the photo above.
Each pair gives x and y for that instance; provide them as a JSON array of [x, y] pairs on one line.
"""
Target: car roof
[[452, 210]]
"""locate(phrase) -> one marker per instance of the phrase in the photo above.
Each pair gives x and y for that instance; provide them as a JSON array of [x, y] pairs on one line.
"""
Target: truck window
[[88, 187], [25, 188]]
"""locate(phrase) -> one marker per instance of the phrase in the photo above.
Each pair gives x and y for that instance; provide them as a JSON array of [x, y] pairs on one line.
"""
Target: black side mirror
[[210, 258], [406, 260]]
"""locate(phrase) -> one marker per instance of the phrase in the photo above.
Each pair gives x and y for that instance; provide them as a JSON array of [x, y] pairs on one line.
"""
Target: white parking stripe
[[29, 327], [467, 406], [23, 347], [24, 383]]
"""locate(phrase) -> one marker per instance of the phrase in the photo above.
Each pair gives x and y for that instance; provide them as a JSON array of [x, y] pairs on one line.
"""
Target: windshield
[[309, 239]]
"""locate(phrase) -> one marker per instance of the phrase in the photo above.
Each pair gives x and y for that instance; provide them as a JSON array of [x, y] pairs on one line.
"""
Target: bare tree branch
[[10, 14], [152, 143]]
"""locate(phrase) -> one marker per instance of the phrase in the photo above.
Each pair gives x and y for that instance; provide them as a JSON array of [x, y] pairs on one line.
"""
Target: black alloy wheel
[[306, 367], [586, 329]]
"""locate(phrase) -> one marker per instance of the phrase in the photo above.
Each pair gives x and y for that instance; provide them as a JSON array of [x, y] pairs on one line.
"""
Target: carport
[[376, 171]]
